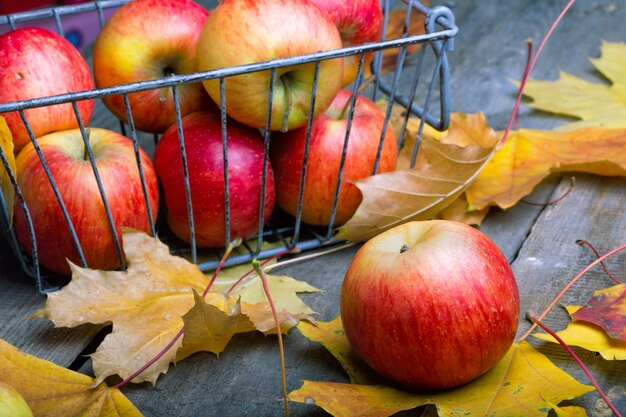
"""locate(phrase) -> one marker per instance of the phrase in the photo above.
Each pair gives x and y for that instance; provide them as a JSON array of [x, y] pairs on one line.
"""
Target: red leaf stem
[[580, 363]]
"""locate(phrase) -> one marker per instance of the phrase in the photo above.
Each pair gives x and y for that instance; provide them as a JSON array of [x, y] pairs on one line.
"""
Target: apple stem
[[285, 125], [556, 200], [580, 363], [266, 289], [582, 242], [569, 285], [85, 150], [529, 67], [361, 88], [404, 248]]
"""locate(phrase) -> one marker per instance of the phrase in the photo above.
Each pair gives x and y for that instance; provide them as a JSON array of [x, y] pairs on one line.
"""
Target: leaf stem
[[163, 351], [266, 289], [151, 361], [232, 245], [530, 67], [580, 363], [582, 242], [556, 200], [266, 261], [569, 285]]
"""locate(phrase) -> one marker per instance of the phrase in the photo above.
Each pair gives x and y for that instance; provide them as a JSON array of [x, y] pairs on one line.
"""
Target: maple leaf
[[284, 290], [51, 390], [595, 104], [146, 303], [529, 156], [209, 328], [607, 309], [568, 411], [445, 167], [332, 337], [519, 385], [460, 211], [6, 186], [588, 336]]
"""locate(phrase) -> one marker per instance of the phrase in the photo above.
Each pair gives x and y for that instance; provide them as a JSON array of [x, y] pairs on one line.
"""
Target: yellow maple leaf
[[529, 156], [332, 337], [588, 336], [519, 385], [568, 411], [145, 303], [6, 186], [51, 390], [445, 167], [254, 303], [209, 328], [595, 104]]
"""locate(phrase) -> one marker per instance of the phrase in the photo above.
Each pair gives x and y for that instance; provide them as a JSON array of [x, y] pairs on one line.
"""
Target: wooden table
[[538, 241]]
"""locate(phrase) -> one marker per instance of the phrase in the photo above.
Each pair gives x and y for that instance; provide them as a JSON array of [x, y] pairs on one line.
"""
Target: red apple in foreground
[[430, 305], [146, 40], [359, 22], [34, 63], [247, 31], [328, 134], [65, 155], [203, 145]]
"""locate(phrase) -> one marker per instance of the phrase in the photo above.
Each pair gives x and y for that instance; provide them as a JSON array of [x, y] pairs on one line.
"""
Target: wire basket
[[427, 100]]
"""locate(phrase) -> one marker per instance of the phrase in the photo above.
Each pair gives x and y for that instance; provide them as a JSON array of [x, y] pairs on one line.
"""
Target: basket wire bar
[[55, 188], [185, 167], [305, 160], [298, 236], [224, 121], [107, 208], [344, 152], [414, 84], [142, 176]]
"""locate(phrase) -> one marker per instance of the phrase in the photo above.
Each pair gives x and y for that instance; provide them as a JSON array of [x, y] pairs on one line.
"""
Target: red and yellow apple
[[328, 134], [359, 22], [242, 32], [147, 40], [35, 63], [12, 404], [67, 159], [430, 305], [202, 132]]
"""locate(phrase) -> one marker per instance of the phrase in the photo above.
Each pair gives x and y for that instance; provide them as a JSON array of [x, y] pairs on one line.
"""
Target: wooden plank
[[18, 300], [550, 258]]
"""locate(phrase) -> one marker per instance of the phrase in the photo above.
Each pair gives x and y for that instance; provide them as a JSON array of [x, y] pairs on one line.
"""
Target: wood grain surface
[[490, 52]]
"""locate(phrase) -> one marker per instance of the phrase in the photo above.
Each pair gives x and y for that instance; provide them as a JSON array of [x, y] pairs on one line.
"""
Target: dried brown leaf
[[445, 167]]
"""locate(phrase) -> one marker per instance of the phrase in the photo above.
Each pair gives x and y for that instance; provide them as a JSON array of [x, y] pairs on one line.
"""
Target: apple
[[359, 22], [12, 403], [34, 63], [242, 32], [146, 40], [66, 157], [430, 305], [202, 132], [328, 134]]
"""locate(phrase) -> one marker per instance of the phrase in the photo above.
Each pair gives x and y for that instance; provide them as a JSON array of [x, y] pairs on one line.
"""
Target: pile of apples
[[153, 39], [429, 305]]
